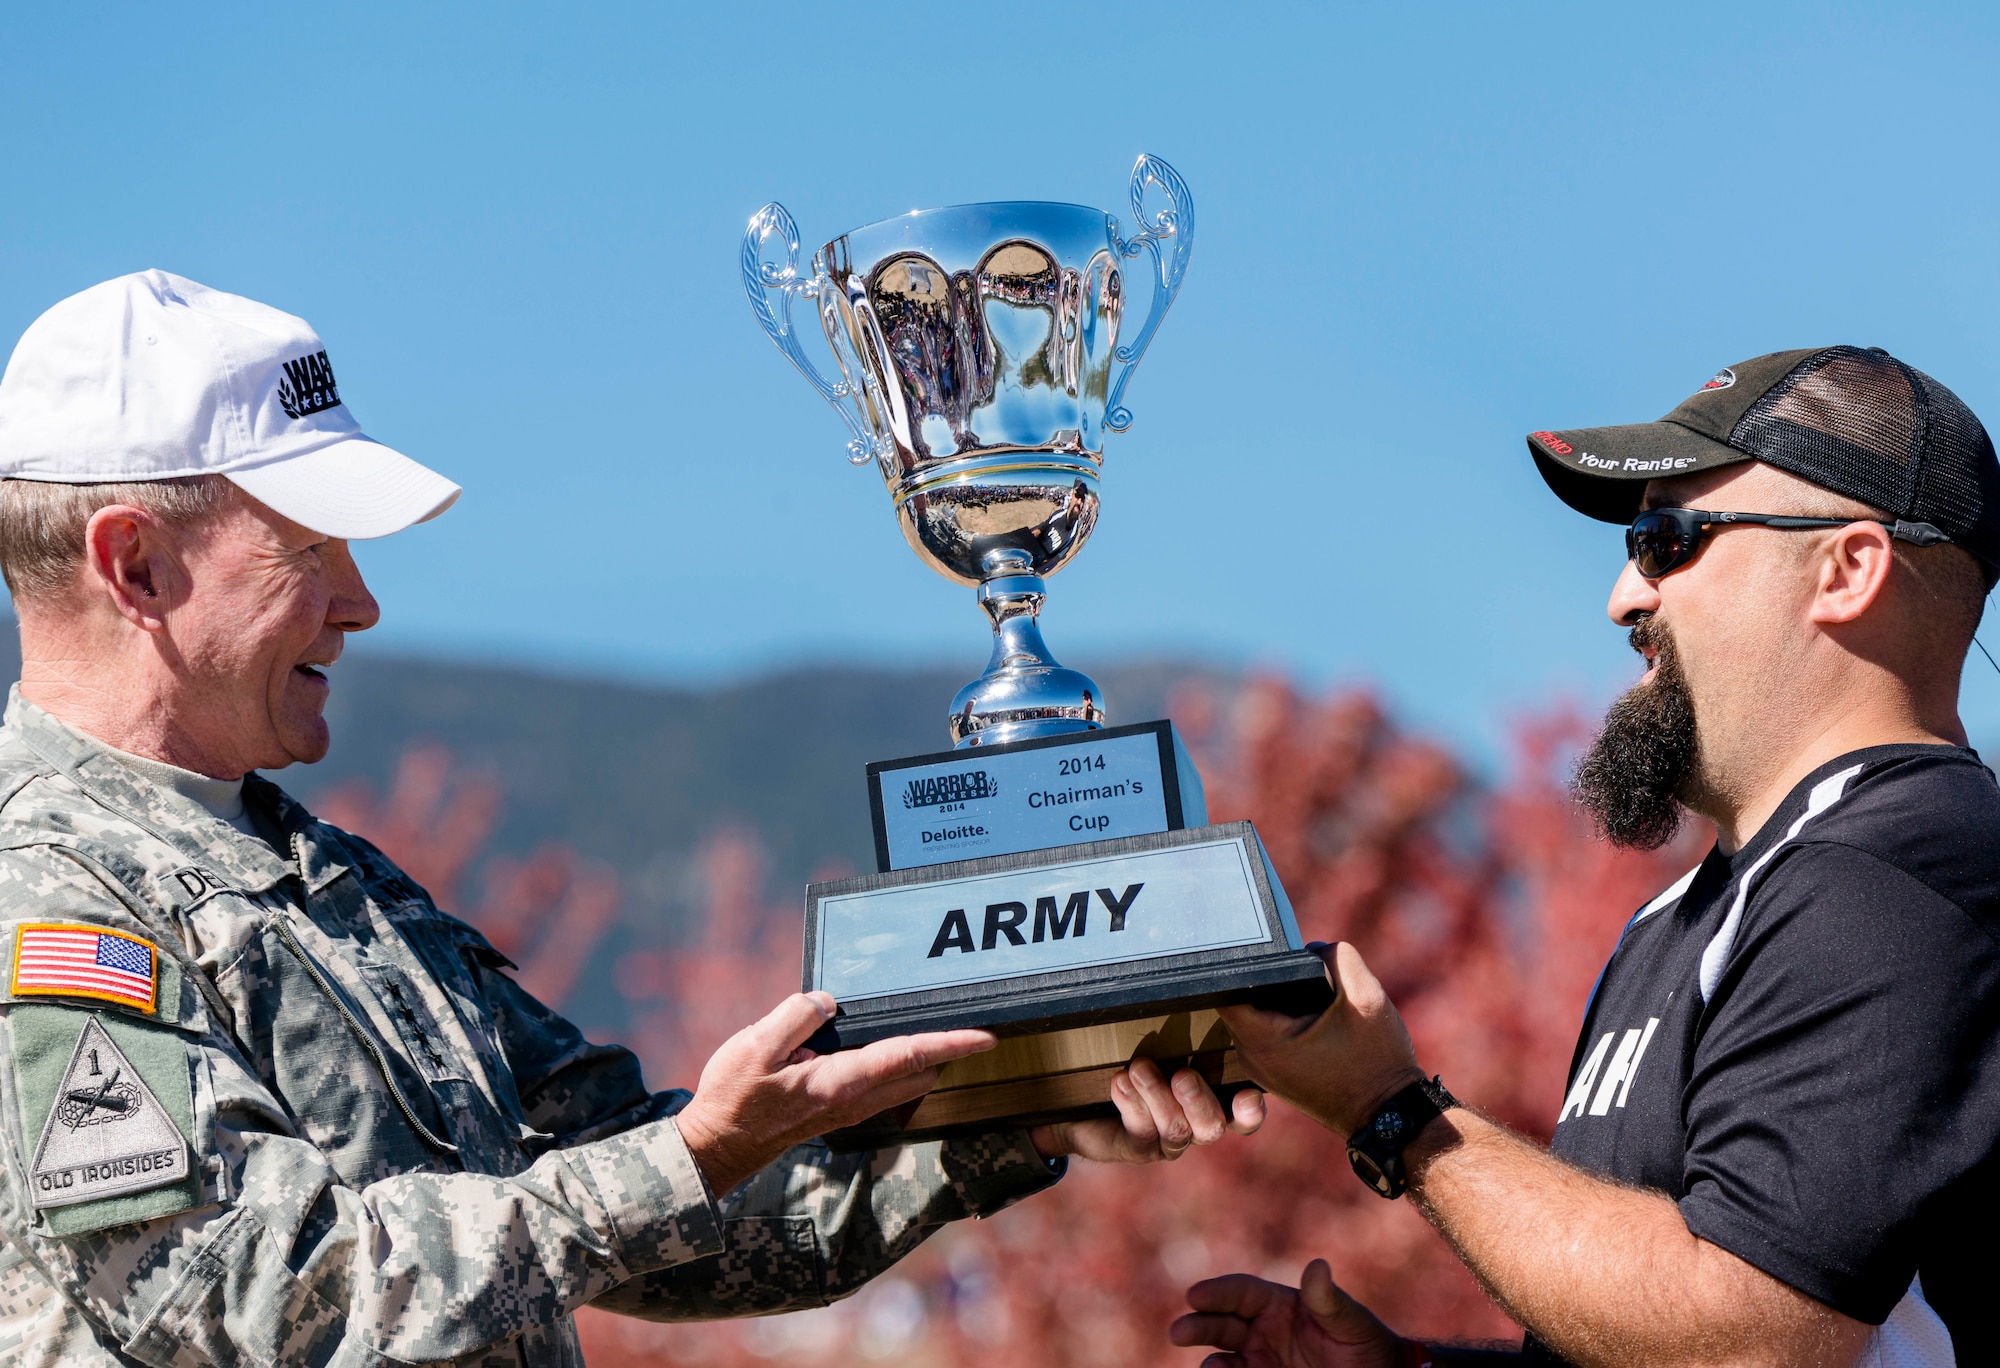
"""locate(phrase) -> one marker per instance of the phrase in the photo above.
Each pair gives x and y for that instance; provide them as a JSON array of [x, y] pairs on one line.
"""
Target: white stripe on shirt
[[1823, 796]]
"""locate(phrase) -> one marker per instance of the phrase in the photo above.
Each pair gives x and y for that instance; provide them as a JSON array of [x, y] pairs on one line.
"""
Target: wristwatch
[[1376, 1150]]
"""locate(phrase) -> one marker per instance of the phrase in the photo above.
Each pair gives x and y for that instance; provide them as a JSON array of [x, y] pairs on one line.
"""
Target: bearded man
[[261, 1101], [1777, 1145]]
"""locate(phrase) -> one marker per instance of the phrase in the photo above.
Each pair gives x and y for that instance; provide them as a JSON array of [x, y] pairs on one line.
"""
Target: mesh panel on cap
[[1867, 400], [1848, 420], [1863, 424], [1951, 491]]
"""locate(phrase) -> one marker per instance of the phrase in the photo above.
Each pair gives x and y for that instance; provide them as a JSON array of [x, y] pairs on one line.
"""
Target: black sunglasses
[[1662, 540]]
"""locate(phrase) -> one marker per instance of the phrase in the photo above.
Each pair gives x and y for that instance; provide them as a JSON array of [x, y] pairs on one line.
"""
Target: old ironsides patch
[[107, 1134]]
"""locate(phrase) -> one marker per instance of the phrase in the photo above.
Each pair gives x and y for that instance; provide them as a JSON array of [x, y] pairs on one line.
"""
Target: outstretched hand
[[1260, 1324], [1337, 1067], [764, 1091], [1156, 1119]]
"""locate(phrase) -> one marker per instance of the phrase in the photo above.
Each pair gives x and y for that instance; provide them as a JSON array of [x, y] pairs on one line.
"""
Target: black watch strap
[[1376, 1150]]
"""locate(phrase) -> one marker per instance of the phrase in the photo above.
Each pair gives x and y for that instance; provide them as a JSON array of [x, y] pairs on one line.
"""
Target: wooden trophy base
[[1054, 1076]]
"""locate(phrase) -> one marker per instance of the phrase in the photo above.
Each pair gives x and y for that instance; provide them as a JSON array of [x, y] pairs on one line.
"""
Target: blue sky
[[1423, 231]]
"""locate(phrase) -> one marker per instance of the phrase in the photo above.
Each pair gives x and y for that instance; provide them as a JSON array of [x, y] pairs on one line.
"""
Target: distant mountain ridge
[[636, 775]]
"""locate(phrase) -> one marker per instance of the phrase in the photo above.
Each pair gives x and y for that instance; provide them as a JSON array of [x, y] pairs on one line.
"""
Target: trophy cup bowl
[[980, 366]]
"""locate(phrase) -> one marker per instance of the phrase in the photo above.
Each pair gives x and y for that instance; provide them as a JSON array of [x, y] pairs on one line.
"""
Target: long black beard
[[1645, 763]]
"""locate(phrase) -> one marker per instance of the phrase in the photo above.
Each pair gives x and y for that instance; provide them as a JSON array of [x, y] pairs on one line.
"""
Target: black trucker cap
[[1858, 422]]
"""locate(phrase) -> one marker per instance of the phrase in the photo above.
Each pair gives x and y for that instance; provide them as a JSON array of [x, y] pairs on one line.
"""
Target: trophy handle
[[1174, 226], [772, 289]]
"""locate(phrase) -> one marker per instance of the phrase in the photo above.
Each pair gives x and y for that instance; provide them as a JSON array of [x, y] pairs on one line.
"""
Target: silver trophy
[[1060, 884], [980, 367]]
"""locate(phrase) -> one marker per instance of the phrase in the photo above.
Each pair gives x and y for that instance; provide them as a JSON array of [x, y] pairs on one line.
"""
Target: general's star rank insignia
[[107, 1134]]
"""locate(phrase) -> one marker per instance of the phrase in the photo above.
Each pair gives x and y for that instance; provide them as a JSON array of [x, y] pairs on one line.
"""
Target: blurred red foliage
[[1486, 911], [686, 1001]]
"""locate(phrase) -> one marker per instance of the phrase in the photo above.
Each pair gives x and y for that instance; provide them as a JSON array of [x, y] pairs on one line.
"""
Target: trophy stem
[[1025, 692]]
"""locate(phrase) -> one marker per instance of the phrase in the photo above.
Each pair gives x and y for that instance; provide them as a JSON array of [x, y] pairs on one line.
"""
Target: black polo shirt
[[1800, 1044]]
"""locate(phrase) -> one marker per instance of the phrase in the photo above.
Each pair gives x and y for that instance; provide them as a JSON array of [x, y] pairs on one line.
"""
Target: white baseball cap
[[151, 376]]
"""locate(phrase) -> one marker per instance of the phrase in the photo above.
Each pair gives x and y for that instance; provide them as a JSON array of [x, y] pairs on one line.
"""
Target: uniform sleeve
[[809, 1229], [1846, 1080], [570, 1089], [265, 1254], [815, 1226]]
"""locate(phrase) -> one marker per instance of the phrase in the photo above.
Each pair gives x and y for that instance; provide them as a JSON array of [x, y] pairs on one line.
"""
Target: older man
[[261, 1100], [1778, 1141]]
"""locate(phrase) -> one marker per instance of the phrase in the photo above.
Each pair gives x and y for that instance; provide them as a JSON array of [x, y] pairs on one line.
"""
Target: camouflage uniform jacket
[[391, 1154]]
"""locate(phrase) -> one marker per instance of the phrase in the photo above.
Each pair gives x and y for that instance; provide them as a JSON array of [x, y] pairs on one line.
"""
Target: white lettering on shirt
[[1617, 1082], [1579, 1096], [1621, 1061], [1632, 1069]]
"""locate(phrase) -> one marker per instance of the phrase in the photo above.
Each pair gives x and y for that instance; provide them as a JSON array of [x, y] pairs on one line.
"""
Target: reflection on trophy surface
[[980, 367]]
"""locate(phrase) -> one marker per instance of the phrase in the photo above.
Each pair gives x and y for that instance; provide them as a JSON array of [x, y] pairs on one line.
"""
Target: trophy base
[[1045, 1006], [1055, 1076], [1161, 930], [987, 911]]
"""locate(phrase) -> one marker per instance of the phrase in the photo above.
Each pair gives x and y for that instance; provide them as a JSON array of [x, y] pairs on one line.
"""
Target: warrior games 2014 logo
[[943, 789], [308, 386]]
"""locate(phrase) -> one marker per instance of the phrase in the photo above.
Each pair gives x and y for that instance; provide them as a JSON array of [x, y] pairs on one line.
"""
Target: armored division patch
[[58, 960], [107, 1134]]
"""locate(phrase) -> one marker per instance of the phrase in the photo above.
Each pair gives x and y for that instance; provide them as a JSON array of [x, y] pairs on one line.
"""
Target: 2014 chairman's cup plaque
[[1052, 877]]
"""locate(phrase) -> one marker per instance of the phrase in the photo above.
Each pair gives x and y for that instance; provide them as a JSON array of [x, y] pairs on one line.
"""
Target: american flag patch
[[85, 961]]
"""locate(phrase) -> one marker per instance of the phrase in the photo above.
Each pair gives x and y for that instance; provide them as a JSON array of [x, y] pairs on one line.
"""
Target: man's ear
[[133, 558], [1853, 568]]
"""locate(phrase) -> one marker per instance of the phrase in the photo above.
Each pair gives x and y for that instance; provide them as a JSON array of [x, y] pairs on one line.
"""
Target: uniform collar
[[300, 830], [205, 840], [1868, 762]]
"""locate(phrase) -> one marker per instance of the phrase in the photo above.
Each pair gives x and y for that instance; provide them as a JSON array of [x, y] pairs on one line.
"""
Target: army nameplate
[[1080, 956]]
